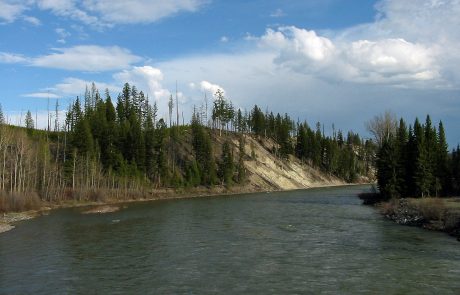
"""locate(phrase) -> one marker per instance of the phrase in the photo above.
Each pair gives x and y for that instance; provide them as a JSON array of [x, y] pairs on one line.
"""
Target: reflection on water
[[291, 242]]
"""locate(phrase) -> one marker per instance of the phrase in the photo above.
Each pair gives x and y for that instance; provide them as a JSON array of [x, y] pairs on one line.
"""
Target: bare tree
[[382, 126], [170, 107]]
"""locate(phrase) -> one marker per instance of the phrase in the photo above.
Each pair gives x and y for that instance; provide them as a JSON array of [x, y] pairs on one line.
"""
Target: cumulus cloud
[[391, 60], [387, 61], [89, 58], [147, 78], [294, 42], [210, 87]]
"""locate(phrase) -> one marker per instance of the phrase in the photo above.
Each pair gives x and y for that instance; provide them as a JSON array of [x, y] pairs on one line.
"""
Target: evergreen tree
[[422, 173], [387, 169], [202, 147], [442, 159], [241, 169], [227, 165], [257, 121], [401, 146], [29, 122]]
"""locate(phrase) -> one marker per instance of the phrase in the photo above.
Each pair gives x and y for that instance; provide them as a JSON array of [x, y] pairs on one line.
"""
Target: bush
[[16, 202], [430, 208]]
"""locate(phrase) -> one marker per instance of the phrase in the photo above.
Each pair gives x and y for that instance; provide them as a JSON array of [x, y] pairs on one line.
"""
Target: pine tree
[[29, 122], [227, 165], [401, 146], [422, 173], [387, 169], [442, 153], [202, 147], [241, 169]]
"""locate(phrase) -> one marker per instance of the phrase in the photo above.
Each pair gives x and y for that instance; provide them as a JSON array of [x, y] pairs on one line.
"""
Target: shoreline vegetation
[[9, 220], [417, 176], [437, 214]]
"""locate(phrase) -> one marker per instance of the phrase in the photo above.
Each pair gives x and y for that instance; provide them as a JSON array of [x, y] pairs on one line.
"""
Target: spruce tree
[[442, 158], [241, 169], [422, 173], [29, 122], [227, 165]]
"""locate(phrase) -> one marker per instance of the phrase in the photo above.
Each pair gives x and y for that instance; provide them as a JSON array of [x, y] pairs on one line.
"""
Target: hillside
[[268, 172], [104, 151]]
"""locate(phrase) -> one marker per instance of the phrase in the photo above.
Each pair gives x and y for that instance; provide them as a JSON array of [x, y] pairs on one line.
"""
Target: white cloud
[[147, 78], [10, 10], [388, 61], [71, 87], [391, 59], [100, 13], [140, 11], [224, 39], [41, 95], [32, 20], [69, 8], [292, 42], [210, 87], [89, 58], [9, 58]]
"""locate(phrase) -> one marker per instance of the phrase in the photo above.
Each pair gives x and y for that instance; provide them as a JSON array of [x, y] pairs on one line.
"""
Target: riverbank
[[9, 220], [430, 213]]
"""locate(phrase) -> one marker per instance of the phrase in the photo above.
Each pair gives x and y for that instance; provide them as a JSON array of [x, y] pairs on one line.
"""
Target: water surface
[[311, 241]]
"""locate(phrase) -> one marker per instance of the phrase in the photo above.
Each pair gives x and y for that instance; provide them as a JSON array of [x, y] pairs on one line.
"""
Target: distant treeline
[[414, 161], [125, 147]]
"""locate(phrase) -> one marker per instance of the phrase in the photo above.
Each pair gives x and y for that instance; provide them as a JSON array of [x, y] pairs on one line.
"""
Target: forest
[[414, 160], [122, 149]]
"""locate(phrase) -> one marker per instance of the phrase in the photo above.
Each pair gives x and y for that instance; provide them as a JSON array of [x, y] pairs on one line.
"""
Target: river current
[[317, 241]]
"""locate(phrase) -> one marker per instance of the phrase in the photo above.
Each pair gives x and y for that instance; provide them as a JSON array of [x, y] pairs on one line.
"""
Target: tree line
[[123, 147]]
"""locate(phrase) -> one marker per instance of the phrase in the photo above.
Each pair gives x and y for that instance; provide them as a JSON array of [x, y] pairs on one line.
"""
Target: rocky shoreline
[[406, 212], [8, 219]]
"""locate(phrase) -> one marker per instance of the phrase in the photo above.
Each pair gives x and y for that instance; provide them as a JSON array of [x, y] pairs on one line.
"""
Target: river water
[[300, 242]]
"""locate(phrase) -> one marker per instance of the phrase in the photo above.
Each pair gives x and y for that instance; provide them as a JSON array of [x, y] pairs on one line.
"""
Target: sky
[[339, 62]]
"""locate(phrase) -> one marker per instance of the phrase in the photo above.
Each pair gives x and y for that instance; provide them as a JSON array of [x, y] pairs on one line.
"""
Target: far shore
[[9, 220]]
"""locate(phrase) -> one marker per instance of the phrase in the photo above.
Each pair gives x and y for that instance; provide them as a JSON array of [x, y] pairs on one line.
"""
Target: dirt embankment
[[430, 213], [268, 172]]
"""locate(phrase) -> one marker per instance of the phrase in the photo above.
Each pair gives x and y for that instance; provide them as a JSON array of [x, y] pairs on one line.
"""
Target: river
[[298, 242]]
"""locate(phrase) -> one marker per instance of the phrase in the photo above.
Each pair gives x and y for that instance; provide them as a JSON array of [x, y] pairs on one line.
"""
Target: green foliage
[[29, 122], [241, 169], [415, 162], [227, 167], [202, 147]]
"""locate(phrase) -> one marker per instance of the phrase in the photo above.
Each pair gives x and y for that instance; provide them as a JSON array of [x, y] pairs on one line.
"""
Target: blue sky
[[334, 61]]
